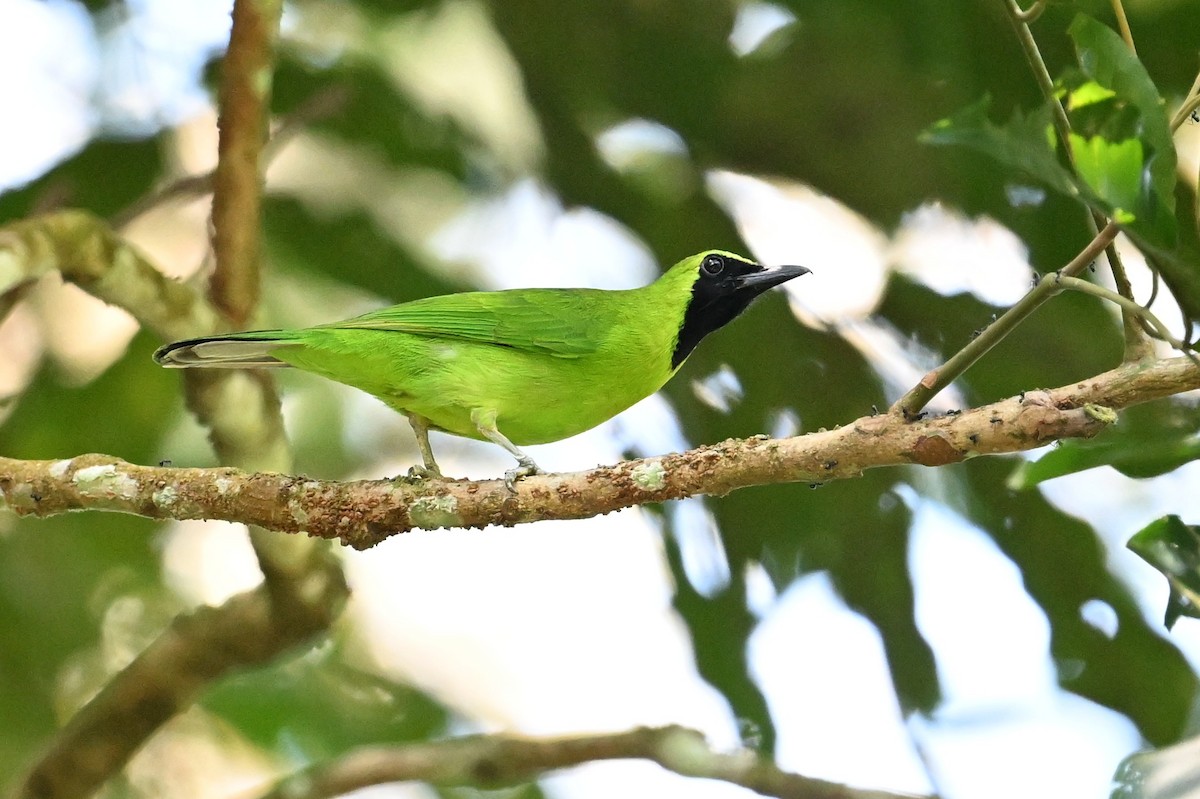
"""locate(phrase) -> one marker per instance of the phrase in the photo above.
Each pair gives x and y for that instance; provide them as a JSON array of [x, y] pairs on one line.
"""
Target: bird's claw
[[525, 468], [424, 473]]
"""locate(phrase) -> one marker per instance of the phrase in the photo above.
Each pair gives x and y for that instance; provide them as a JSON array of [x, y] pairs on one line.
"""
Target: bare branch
[[246, 76], [363, 513], [493, 761]]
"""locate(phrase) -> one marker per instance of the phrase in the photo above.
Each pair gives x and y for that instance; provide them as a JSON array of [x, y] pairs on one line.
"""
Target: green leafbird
[[524, 366]]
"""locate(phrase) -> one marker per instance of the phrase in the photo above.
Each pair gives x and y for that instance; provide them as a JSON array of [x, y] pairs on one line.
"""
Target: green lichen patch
[[649, 476], [430, 512], [105, 480]]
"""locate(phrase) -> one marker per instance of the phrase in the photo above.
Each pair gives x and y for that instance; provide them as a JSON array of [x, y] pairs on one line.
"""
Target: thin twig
[[1160, 331], [1062, 126], [1123, 24], [919, 396], [1190, 105], [1030, 15], [494, 761], [1136, 346], [186, 186], [1155, 281], [1133, 307]]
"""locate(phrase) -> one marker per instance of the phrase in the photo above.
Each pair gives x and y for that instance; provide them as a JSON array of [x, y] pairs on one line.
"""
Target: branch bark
[[494, 761], [361, 514]]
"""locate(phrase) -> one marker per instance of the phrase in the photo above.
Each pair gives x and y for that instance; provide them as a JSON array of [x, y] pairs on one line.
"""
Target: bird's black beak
[[770, 276]]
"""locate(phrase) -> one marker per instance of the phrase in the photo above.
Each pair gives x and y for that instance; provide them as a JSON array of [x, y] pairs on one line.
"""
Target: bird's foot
[[525, 468]]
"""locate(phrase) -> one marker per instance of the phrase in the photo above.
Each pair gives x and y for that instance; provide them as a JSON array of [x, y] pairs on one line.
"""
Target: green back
[[567, 323]]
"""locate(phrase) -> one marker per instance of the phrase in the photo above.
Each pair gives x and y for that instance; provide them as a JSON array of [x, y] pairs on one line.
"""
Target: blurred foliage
[[315, 707], [103, 177], [837, 101], [365, 104], [1063, 565]]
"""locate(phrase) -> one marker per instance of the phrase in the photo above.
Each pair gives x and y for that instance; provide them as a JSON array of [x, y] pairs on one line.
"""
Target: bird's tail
[[232, 351]]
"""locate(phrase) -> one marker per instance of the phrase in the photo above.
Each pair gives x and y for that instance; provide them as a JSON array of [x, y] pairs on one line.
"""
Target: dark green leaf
[[1024, 142], [1063, 565], [53, 419], [1124, 171], [347, 246], [1173, 548], [103, 177], [855, 529]]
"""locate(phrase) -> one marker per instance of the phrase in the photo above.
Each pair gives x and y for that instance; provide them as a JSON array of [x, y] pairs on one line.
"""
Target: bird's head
[[720, 285]]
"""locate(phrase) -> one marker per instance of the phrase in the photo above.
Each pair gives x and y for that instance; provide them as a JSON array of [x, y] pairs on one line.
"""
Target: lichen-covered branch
[[242, 411], [363, 513], [86, 251], [494, 761]]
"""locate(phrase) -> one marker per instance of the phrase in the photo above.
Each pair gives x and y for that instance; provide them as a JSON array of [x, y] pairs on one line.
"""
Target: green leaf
[[1145, 443], [346, 245], [1173, 548], [1125, 165], [373, 113], [720, 626], [1108, 61], [1089, 93], [1112, 170]]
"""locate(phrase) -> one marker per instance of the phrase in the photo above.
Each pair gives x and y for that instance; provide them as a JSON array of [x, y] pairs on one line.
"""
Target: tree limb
[[167, 677], [245, 98], [363, 513], [86, 251], [494, 761]]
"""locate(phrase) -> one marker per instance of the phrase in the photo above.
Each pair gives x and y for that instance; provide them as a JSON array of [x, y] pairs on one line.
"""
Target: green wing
[[567, 323]]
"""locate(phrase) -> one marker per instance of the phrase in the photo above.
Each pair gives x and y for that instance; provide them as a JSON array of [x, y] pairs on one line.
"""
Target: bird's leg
[[420, 428], [485, 422]]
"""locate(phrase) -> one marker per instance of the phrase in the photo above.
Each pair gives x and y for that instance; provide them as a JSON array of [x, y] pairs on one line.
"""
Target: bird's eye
[[712, 265]]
